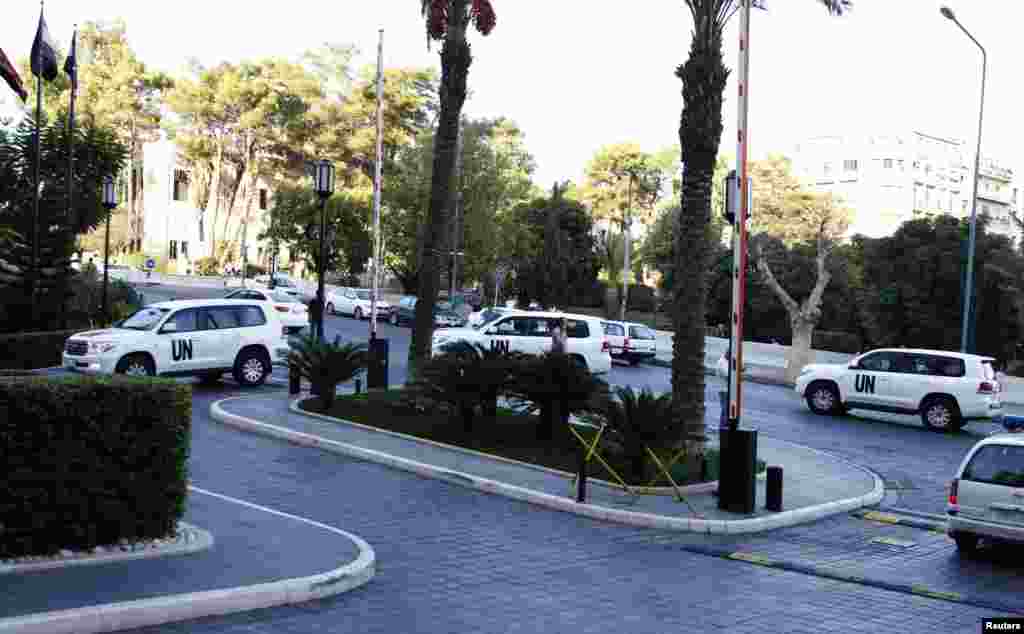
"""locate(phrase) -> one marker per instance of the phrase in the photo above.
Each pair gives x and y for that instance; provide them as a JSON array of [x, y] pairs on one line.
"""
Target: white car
[[630, 342], [986, 498], [530, 333], [294, 315], [204, 338], [115, 272], [947, 389], [356, 303]]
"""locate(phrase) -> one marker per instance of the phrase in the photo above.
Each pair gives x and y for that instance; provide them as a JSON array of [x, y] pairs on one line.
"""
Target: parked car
[[530, 333], [205, 338], [444, 317], [630, 342], [291, 286], [115, 272], [294, 315], [986, 497], [946, 389], [355, 302]]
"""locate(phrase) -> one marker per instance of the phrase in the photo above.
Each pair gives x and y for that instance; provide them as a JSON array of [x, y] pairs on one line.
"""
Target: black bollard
[[773, 490], [581, 477], [294, 380], [359, 386]]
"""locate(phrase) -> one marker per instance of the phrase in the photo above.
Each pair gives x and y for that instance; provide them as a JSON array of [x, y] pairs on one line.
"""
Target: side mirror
[[170, 326], [853, 365]]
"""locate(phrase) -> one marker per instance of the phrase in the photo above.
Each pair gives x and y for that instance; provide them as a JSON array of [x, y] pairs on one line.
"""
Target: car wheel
[[941, 414], [136, 365], [330, 309], [252, 367], [358, 313], [823, 398], [966, 543]]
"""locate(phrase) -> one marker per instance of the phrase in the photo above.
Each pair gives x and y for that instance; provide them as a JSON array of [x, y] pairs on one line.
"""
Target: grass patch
[[510, 434]]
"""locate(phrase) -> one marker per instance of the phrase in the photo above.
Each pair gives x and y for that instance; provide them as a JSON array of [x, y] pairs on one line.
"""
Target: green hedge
[[31, 350], [641, 298], [835, 341], [91, 461]]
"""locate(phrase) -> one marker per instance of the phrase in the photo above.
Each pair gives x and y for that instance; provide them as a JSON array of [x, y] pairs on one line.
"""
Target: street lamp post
[[627, 238], [323, 182], [969, 283], [109, 203]]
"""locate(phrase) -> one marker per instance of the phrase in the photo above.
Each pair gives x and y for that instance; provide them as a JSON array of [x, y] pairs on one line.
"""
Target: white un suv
[[530, 333], [204, 338], [947, 389]]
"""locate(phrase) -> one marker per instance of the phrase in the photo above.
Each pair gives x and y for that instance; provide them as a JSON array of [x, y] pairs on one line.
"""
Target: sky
[[579, 74]]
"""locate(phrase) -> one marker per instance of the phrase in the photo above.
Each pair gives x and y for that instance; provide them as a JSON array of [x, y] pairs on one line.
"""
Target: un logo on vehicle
[[498, 345], [864, 383], [181, 349]]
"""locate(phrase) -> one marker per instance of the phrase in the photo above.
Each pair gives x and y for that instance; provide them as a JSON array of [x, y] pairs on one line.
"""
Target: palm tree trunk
[[704, 78], [455, 62]]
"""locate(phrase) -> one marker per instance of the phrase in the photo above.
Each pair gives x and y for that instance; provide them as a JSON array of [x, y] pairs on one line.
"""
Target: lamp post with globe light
[[323, 184], [109, 203]]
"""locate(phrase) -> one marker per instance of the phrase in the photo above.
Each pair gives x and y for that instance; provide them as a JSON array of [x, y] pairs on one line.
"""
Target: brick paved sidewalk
[[811, 478]]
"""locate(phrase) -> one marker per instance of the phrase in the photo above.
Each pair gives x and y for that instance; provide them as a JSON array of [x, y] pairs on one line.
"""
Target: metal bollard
[[773, 489], [359, 386], [581, 477], [294, 380]]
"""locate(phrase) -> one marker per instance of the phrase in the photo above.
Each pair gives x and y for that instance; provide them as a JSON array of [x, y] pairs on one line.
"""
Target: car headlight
[[99, 347]]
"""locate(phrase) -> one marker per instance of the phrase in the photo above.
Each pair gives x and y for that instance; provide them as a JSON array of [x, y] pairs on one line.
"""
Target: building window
[[184, 248], [850, 165], [263, 199], [180, 192], [887, 164], [172, 250]]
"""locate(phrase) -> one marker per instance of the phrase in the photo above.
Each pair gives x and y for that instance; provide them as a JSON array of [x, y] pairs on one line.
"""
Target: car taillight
[[986, 388], [281, 309], [953, 487], [604, 346]]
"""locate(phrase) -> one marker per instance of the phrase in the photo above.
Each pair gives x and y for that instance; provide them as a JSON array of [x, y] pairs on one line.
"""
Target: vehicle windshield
[[363, 295], [144, 319], [285, 298], [641, 332]]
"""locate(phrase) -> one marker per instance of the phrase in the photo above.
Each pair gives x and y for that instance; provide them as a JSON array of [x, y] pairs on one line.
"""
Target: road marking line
[[885, 518], [752, 558], [892, 541], [936, 594]]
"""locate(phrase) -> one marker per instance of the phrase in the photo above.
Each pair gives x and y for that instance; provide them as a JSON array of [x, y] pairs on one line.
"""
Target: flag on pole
[[11, 76], [44, 53], [71, 63]]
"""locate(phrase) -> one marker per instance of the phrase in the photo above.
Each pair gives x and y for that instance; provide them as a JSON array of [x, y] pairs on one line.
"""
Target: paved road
[[455, 560]]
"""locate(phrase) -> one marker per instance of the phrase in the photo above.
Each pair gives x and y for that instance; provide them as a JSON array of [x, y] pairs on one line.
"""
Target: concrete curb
[[194, 605], [714, 372], [568, 505], [693, 489], [826, 573], [204, 541]]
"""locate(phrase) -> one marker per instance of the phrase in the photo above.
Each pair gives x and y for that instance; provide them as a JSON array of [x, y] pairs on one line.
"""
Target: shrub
[[835, 341], [91, 461], [549, 380], [640, 420], [207, 266], [325, 365], [641, 298], [31, 350]]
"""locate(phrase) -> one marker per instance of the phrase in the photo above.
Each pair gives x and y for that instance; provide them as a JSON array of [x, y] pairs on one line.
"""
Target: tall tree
[[623, 178], [447, 21], [704, 77]]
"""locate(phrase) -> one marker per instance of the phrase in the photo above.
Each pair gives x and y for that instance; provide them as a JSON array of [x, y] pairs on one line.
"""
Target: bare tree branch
[[762, 265]]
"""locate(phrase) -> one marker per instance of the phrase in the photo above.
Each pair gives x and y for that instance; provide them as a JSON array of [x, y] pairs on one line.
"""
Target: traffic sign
[[150, 263]]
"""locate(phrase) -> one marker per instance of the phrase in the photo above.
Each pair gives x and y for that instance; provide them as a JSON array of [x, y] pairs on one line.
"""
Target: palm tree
[[704, 77], [641, 419], [447, 21], [325, 365]]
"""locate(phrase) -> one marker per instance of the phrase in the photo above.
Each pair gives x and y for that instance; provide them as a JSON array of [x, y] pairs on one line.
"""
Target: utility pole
[[377, 242], [627, 238]]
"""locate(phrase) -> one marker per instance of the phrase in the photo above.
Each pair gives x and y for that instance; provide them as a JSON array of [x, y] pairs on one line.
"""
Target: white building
[[998, 197], [887, 179]]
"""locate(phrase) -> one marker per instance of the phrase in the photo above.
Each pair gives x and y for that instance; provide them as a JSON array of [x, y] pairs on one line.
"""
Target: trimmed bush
[[90, 461], [641, 298], [32, 350], [835, 341], [207, 266]]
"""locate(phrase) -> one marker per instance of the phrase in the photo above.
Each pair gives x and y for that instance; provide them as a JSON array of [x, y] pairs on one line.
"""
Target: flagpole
[[35, 208], [377, 187], [71, 153]]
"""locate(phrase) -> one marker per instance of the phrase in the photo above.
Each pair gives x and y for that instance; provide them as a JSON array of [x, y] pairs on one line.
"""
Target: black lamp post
[[323, 184], [109, 203]]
